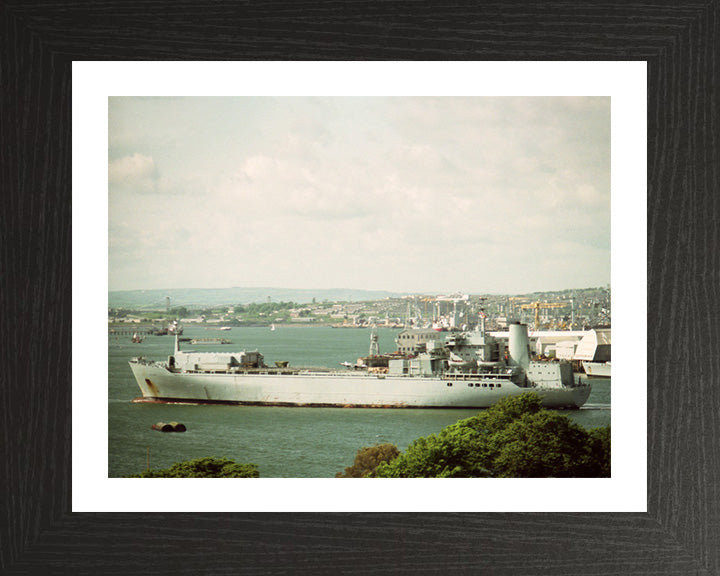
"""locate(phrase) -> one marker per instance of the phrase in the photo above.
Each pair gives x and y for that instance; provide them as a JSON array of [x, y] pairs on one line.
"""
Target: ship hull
[[159, 384], [597, 369]]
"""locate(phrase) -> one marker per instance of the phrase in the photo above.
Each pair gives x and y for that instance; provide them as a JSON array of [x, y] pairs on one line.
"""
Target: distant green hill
[[200, 297]]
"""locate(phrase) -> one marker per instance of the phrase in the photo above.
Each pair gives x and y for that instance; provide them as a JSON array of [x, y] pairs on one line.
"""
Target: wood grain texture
[[681, 532]]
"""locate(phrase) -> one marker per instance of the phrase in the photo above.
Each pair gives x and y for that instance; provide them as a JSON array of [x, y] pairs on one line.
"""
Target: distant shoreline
[[146, 325]]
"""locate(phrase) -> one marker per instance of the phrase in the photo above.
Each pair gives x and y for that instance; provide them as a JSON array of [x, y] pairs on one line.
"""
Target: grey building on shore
[[408, 340]]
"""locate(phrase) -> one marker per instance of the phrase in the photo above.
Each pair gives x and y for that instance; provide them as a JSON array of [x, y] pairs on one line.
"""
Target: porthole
[[469, 384], [449, 383]]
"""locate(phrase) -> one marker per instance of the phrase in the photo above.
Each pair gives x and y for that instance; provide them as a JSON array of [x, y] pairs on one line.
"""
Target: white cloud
[[341, 191], [137, 171]]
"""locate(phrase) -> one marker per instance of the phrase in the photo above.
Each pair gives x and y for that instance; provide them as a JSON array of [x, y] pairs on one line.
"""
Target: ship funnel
[[519, 345]]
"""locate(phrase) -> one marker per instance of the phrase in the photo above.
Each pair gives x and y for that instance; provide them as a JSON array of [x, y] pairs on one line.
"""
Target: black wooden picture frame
[[680, 533]]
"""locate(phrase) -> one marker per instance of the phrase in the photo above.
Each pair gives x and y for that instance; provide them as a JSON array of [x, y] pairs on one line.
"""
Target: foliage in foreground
[[515, 438], [367, 460], [204, 468]]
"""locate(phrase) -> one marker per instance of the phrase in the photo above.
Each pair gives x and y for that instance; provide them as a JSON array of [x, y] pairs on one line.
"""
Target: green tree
[[458, 451], [179, 312], [540, 445], [515, 438], [204, 468], [367, 460], [599, 457]]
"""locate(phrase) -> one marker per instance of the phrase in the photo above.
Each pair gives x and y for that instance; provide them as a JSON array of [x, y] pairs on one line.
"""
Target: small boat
[[175, 328], [457, 362], [272, 327], [136, 339]]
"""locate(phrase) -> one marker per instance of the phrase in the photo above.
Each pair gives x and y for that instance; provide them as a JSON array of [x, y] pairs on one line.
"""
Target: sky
[[406, 194]]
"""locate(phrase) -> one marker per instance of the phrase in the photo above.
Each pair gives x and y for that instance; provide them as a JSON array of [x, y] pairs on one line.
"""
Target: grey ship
[[468, 370]]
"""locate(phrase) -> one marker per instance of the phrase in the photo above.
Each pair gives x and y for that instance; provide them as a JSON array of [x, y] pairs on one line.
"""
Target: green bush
[[367, 460], [204, 468], [515, 438]]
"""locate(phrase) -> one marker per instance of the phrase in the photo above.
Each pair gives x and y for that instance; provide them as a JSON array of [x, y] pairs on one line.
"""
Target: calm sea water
[[283, 442]]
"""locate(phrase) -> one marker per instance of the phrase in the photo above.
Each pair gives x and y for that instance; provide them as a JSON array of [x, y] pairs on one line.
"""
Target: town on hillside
[[579, 309]]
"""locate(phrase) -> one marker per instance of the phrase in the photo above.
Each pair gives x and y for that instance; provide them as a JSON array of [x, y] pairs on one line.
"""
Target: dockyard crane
[[537, 305], [514, 301], [425, 302]]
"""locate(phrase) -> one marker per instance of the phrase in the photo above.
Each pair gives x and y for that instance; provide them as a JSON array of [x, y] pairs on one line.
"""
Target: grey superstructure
[[468, 370]]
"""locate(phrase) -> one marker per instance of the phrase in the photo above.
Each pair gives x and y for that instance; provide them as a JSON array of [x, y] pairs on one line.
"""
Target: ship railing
[[479, 376], [335, 373], [253, 372], [151, 363], [146, 362]]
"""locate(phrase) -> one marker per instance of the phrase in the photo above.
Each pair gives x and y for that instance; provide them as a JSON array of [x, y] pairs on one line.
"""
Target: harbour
[[282, 441]]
